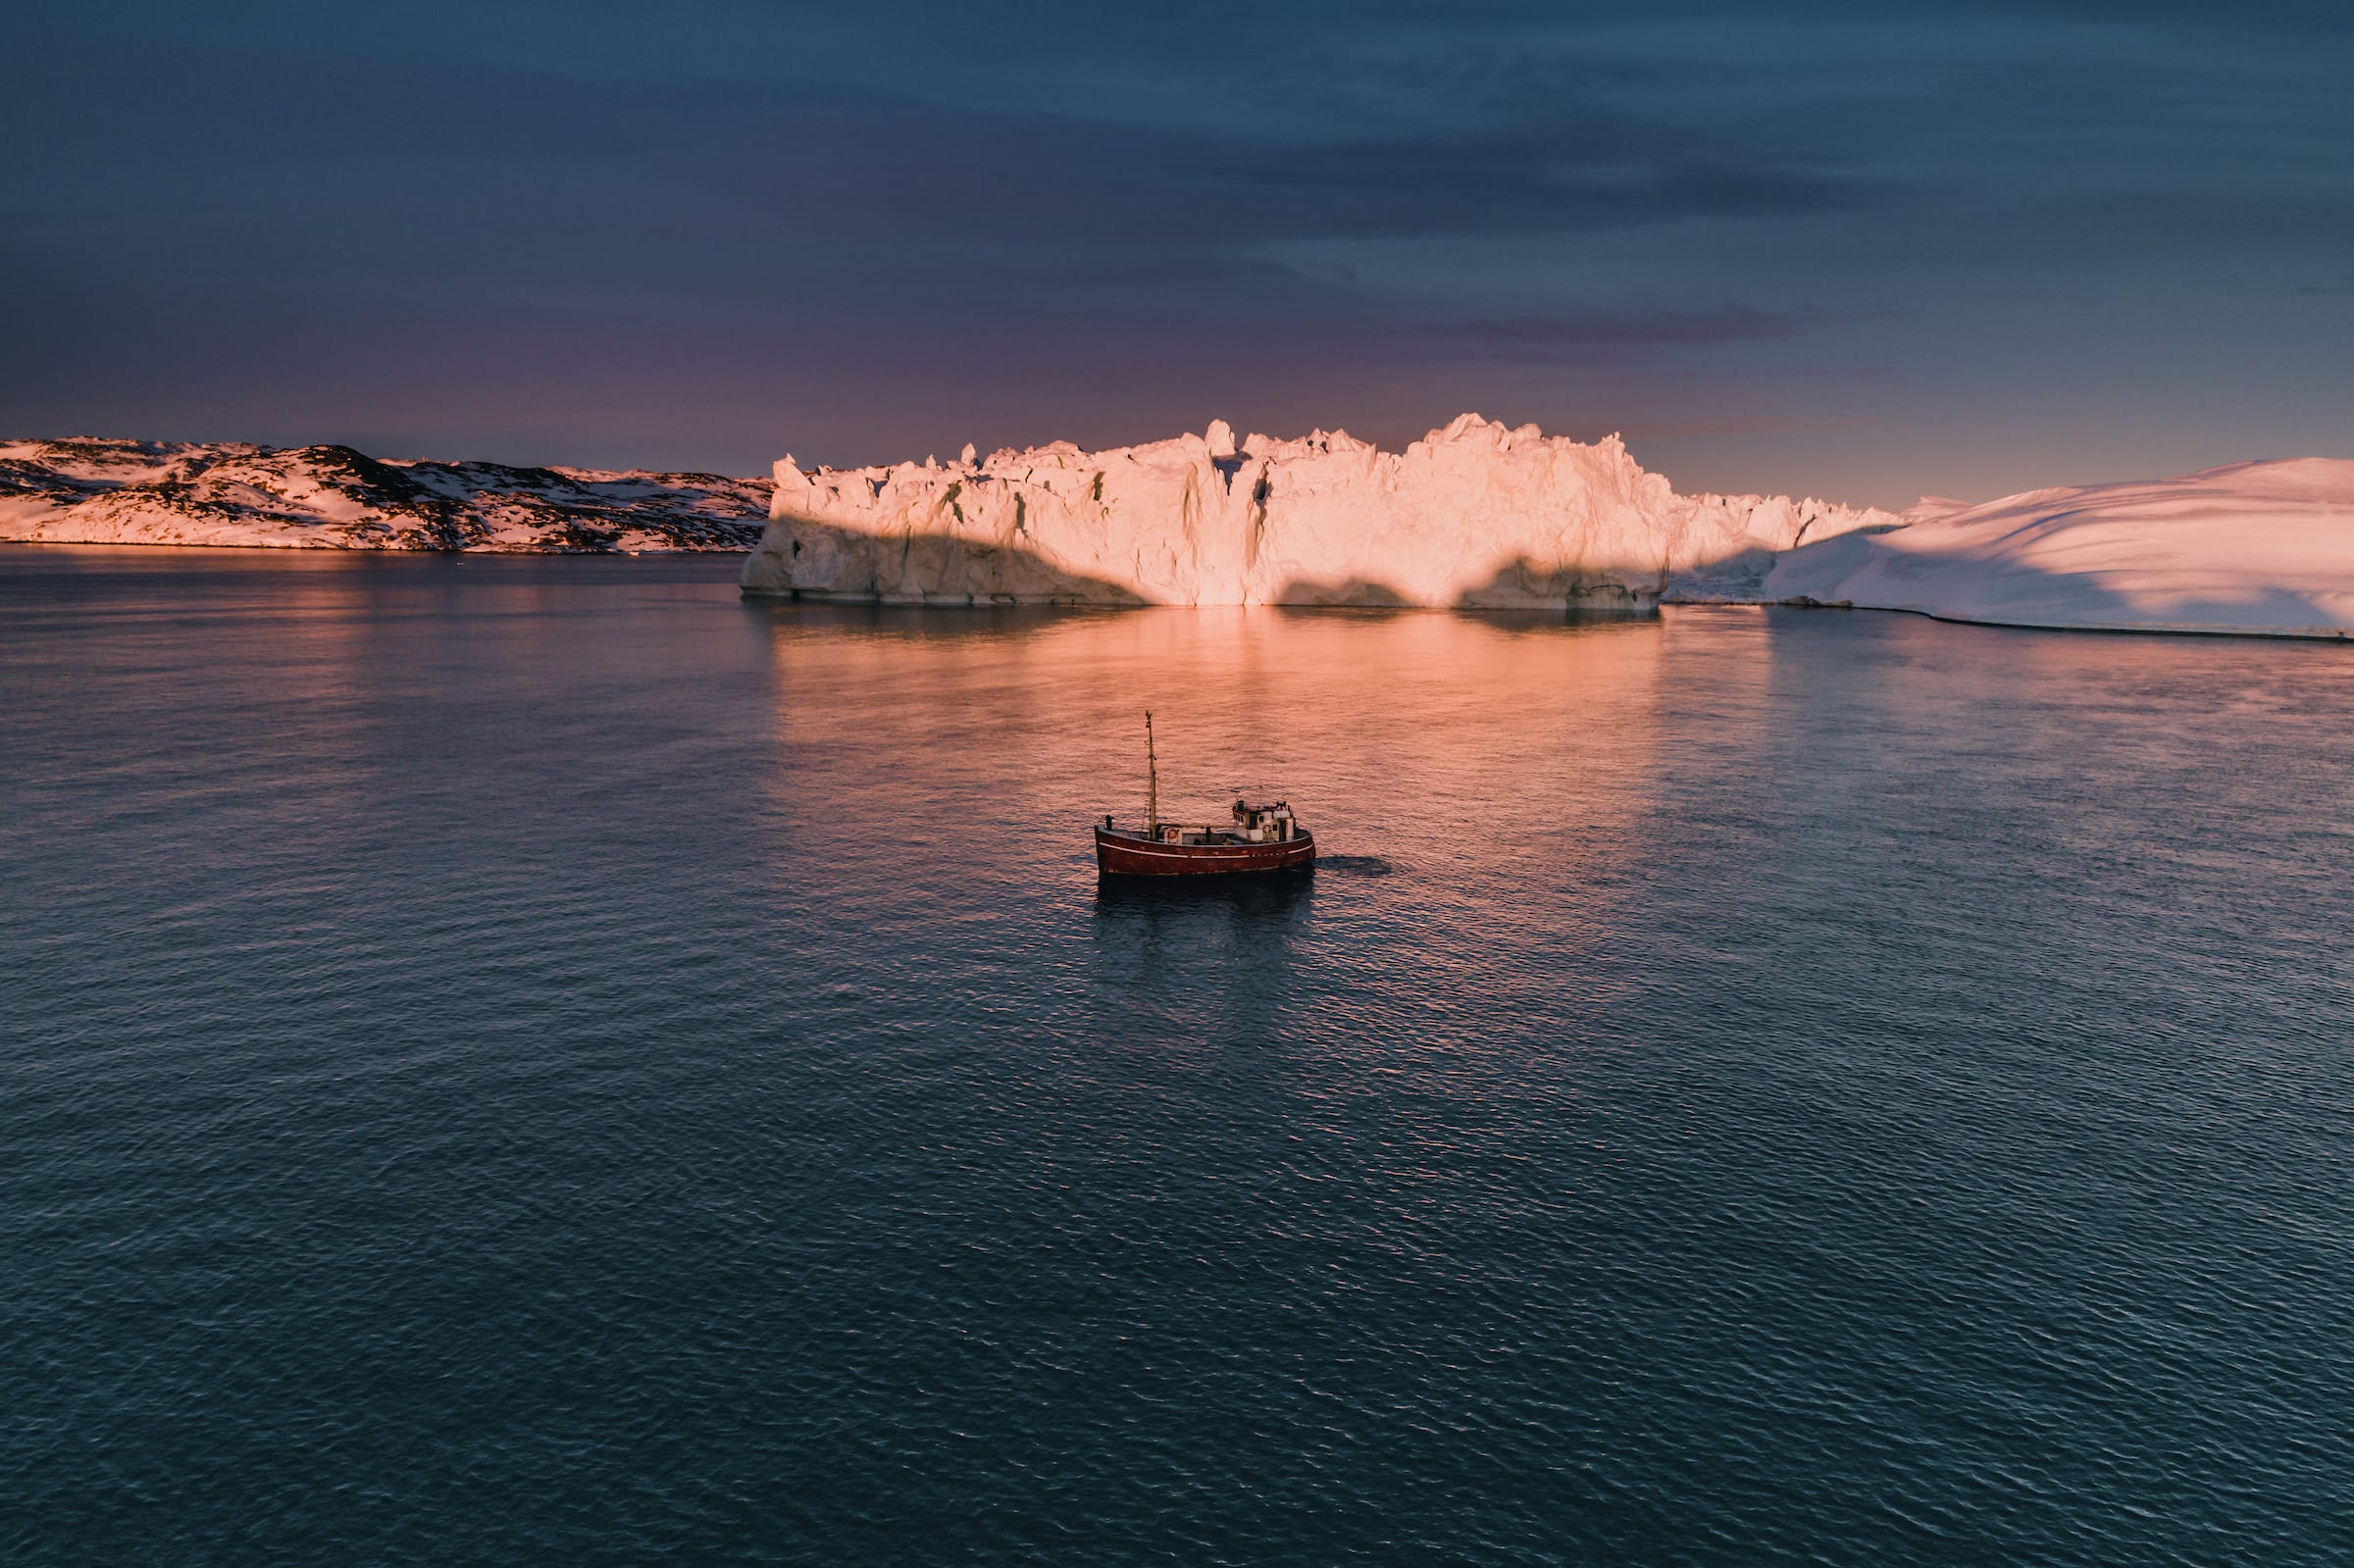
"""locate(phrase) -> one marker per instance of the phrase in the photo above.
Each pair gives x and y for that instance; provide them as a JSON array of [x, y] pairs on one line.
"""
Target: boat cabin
[[1265, 825], [1251, 825]]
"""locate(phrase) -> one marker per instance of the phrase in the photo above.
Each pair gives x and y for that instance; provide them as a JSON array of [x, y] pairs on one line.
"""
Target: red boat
[[1260, 839]]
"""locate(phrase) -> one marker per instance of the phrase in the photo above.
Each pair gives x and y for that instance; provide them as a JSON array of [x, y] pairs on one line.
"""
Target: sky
[[1868, 252]]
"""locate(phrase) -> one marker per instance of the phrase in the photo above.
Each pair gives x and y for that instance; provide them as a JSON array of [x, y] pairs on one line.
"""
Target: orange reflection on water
[[1515, 755]]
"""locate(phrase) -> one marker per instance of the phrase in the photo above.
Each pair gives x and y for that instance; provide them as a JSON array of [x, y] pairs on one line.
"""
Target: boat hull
[[1119, 854]]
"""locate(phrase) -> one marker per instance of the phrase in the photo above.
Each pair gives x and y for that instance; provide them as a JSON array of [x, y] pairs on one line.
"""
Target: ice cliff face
[[2261, 548], [332, 497], [1477, 515]]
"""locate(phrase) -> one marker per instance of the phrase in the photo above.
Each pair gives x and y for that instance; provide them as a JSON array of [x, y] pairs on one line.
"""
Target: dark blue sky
[[1845, 248]]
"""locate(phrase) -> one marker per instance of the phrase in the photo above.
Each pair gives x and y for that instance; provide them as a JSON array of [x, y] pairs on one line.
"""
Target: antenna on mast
[[1152, 780]]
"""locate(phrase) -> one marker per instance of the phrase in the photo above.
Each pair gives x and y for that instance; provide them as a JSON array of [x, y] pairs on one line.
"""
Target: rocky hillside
[[100, 491]]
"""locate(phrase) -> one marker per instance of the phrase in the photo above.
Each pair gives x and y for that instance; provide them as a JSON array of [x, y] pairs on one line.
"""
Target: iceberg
[[2263, 549], [1476, 516]]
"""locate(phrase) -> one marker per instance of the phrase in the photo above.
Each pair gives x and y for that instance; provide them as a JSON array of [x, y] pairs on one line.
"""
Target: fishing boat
[[1259, 838]]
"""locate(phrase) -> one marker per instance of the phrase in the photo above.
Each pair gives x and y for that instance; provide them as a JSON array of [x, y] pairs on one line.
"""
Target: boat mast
[[1152, 780]]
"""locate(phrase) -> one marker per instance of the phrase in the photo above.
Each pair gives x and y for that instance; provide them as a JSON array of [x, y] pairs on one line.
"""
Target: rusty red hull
[[1127, 854]]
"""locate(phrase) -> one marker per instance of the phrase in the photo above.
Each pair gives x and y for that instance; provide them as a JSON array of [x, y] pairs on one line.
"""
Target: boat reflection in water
[[1259, 840], [1216, 959], [1247, 897]]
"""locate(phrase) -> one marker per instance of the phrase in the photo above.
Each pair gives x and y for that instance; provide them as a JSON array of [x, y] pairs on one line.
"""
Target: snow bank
[[97, 491], [1477, 515], [2257, 548]]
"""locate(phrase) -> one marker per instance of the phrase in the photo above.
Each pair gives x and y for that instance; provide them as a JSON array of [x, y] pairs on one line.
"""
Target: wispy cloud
[[1595, 335]]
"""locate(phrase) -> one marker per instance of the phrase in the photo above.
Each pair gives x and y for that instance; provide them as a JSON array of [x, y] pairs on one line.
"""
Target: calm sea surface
[[540, 1061]]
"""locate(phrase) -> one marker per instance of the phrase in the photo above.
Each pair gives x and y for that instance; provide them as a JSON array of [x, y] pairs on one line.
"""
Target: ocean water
[[527, 1060]]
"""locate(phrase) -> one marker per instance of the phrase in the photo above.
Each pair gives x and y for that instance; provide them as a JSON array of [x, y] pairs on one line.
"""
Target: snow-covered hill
[[1477, 516], [2258, 549], [97, 491]]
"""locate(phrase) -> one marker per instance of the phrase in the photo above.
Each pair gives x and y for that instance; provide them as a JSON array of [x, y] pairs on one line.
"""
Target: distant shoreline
[[362, 550]]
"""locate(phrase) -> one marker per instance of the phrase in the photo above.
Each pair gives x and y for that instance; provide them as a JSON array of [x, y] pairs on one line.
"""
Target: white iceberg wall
[[2259, 549], [1476, 515]]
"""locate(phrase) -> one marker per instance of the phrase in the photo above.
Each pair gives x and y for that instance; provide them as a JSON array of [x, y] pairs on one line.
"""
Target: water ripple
[[539, 1061]]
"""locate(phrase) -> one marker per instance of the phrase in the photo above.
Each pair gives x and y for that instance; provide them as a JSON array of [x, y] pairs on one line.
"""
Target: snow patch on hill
[[102, 491]]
